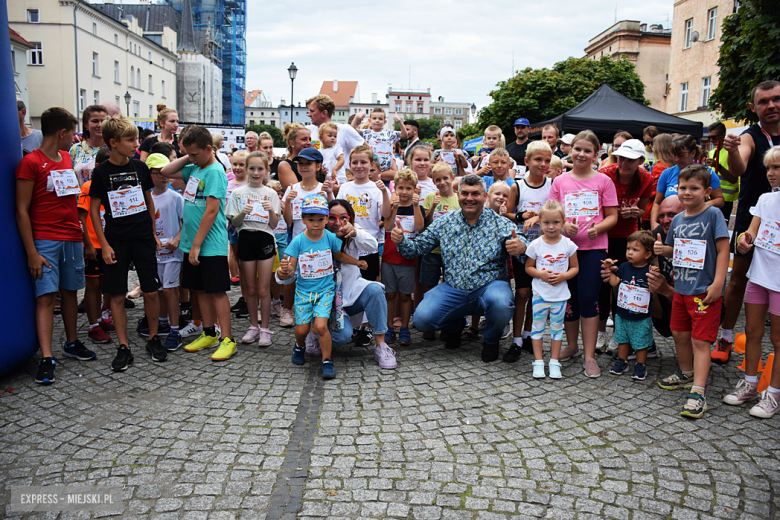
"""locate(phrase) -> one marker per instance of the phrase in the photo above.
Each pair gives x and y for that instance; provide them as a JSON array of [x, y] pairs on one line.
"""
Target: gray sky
[[457, 48]]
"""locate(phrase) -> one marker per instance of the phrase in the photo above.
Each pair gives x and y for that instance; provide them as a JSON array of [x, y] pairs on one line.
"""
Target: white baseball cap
[[567, 139], [631, 149]]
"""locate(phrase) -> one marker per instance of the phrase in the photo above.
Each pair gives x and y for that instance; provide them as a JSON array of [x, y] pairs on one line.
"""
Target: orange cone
[[739, 343], [766, 375], [742, 366]]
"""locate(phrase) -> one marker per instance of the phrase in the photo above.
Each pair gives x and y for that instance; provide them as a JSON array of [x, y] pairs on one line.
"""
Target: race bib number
[[689, 253], [281, 226], [485, 160], [633, 298], [164, 253], [316, 265], [448, 157], [439, 214], [553, 264], [407, 223], [531, 206], [382, 148], [192, 189], [582, 204], [521, 172], [258, 212], [297, 204], [769, 236], [65, 182], [126, 202], [424, 191]]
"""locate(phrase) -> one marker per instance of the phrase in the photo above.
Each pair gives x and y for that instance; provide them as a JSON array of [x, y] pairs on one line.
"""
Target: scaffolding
[[225, 20]]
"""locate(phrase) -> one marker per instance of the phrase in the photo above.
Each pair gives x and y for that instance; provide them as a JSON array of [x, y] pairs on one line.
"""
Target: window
[[420, 107], [116, 39], [458, 124], [150, 111], [688, 33], [458, 112], [35, 55], [116, 72], [94, 28], [96, 97], [150, 56], [163, 89], [132, 76], [151, 88], [448, 111], [251, 121], [409, 107], [163, 63], [261, 113], [262, 121], [397, 106], [32, 16], [273, 122], [136, 108], [683, 97], [138, 78], [712, 23], [82, 100], [705, 91], [437, 110], [447, 122], [95, 64]]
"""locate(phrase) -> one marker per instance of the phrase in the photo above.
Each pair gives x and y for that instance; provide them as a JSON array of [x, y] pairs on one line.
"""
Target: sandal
[[469, 334], [390, 335], [404, 336]]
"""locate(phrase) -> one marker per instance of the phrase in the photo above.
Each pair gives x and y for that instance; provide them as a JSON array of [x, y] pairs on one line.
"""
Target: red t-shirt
[[390, 252], [625, 227], [658, 169], [52, 217]]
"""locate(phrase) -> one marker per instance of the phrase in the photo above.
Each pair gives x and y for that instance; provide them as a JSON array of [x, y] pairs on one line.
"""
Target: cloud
[[461, 50]]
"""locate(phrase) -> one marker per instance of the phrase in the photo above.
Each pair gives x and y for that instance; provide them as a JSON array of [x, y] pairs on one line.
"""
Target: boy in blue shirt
[[313, 253]]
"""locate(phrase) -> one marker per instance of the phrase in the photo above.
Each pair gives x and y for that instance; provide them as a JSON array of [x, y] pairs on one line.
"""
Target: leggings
[[556, 310], [584, 287], [616, 251]]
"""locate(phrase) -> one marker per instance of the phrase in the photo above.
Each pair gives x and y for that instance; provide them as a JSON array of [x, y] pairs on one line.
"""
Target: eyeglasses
[[342, 218]]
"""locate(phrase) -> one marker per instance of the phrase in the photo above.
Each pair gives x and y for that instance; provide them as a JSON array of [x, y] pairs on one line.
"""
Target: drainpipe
[[76, 52]]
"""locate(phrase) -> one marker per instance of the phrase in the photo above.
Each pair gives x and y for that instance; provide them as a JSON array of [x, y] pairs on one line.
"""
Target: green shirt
[[213, 183]]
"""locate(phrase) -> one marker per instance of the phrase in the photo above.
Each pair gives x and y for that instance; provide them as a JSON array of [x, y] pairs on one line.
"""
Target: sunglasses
[[341, 218]]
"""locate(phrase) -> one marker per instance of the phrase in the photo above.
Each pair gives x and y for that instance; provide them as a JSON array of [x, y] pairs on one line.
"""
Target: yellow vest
[[730, 190]]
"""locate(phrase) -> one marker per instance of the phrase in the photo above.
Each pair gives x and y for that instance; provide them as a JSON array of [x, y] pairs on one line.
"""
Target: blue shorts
[[312, 305], [431, 269], [281, 244], [67, 266], [637, 333], [232, 235]]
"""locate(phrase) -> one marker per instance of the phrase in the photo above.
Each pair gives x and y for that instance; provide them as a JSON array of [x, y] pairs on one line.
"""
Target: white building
[[355, 107], [258, 109], [112, 58], [19, 48], [451, 113], [410, 102]]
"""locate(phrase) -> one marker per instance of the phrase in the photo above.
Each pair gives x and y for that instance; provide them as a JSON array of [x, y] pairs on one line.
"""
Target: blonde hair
[[262, 156], [291, 132], [406, 175], [377, 109], [264, 136], [552, 206], [772, 156], [117, 127], [497, 129], [163, 112], [536, 147], [275, 185], [323, 102], [496, 185], [363, 148], [499, 152], [328, 126], [555, 161], [217, 139], [415, 149], [441, 167], [240, 153]]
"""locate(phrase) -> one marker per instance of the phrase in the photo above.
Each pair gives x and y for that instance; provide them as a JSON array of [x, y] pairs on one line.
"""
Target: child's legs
[[406, 309], [323, 335], [44, 321], [557, 314], [221, 304], [92, 298], [705, 321], [641, 356], [69, 307], [588, 286], [171, 298], [289, 295], [152, 310], [701, 362], [571, 323], [163, 314], [529, 315], [250, 288], [233, 260], [757, 303], [521, 298], [390, 297], [301, 331], [264, 276], [207, 311], [120, 318], [541, 311]]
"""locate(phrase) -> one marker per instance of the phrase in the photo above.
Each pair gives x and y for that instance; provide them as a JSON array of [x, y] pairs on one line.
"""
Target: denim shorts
[[67, 266], [232, 235], [431, 269]]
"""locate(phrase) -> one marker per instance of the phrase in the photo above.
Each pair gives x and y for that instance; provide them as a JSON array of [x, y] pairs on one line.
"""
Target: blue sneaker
[[173, 341], [328, 370], [161, 329], [640, 372], [78, 351], [619, 368], [298, 356]]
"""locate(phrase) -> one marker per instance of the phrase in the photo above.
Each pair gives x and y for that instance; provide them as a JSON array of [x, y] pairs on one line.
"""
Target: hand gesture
[[554, 278], [529, 223], [744, 245], [397, 119], [248, 208], [710, 162], [284, 269], [347, 230], [570, 227], [731, 143], [514, 246], [658, 246], [528, 214], [324, 171], [394, 200], [484, 170], [360, 116], [655, 280], [416, 199], [36, 262], [267, 205], [436, 199], [173, 244], [592, 231], [327, 186], [502, 210], [381, 186], [362, 265], [397, 235], [291, 196], [90, 252], [607, 268]]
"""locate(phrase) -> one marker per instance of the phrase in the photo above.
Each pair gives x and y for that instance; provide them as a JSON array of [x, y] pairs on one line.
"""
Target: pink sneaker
[[286, 319], [265, 338], [592, 368], [744, 392], [251, 335], [276, 307], [568, 352], [313, 345], [385, 356], [767, 407]]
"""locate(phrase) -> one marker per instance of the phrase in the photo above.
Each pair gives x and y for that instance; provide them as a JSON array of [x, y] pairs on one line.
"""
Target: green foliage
[[432, 141], [279, 141], [428, 127], [542, 94], [470, 132], [749, 54]]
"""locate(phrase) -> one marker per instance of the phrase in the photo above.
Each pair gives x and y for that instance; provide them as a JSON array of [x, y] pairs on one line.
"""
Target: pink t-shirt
[[571, 192]]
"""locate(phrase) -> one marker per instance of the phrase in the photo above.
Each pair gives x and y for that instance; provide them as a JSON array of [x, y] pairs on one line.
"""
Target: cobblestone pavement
[[443, 436]]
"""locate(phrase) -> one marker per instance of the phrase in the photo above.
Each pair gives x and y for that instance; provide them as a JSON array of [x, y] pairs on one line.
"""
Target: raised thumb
[[514, 233], [398, 223], [659, 237], [592, 225]]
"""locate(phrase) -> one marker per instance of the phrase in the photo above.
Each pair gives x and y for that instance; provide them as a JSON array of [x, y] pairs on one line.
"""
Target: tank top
[[753, 183], [294, 166]]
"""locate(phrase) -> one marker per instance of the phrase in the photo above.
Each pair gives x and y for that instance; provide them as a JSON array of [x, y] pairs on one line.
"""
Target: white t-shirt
[[347, 139], [225, 160], [366, 201], [382, 143], [330, 156], [553, 258], [767, 258], [426, 186], [168, 212], [239, 199], [298, 225], [532, 199]]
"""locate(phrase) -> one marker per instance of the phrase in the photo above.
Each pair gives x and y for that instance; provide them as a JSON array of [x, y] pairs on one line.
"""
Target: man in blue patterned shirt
[[475, 244]]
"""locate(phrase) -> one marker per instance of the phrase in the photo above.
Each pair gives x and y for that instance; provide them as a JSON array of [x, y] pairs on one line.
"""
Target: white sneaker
[[286, 319], [555, 369], [610, 322], [313, 345], [613, 345], [251, 334], [265, 338], [601, 342], [482, 324], [191, 330], [538, 369], [507, 331], [385, 356]]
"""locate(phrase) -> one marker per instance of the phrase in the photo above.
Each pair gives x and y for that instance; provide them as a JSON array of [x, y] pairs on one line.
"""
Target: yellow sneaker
[[225, 351], [203, 341]]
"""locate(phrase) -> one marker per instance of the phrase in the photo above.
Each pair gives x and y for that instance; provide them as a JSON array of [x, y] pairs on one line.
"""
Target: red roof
[[341, 98], [16, 37], [251, 95]]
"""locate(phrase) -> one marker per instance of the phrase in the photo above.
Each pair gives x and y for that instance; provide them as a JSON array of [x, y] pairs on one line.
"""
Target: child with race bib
[[311, 255], [254, 210], [590, 202], [420, 163], [380, 140], [492, 139], [763, 290], [455, 158], [552, 260], [500, 167], [633, 323], [238, 162]]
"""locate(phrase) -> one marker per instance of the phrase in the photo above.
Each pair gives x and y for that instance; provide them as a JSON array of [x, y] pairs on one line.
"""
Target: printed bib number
[[164, 252], [531, 206], [281, 226], [439, 214], [769, 236], [485, 161], [258, 212], [424, 191], [382, 148], [521, 172], [316, 265], [689, 253], [633, 298], [126, 202], [65, 182], [407, 223], [192, 189], [448, 157], [582, 204], [297, 205], [553, 264]]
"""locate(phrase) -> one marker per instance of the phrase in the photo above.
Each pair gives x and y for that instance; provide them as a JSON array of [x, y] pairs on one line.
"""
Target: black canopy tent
[[607, 111]]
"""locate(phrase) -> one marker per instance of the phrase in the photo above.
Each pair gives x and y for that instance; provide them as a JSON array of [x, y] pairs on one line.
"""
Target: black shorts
[[94, 268], [522, 279], [211, 276], [372, 273], [255, 245], [143, 255]]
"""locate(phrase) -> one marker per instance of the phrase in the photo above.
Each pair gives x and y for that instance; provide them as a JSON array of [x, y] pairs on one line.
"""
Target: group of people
[[344, 241]]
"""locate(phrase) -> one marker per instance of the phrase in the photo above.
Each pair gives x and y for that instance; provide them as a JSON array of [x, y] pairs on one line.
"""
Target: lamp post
[[128, 97], [293, 71], [473, 110]]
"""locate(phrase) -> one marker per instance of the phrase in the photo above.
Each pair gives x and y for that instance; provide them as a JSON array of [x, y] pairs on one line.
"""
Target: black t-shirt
[[517, 151], [146, 146], [753, 183], [110, 177], [636, 276], [294, 166], [274, 168]]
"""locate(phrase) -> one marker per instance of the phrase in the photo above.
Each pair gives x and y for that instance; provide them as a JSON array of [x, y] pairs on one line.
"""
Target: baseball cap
[[315, 204], [631, 149], [156, 160], [310, 154], [522, 121], [567, 138]]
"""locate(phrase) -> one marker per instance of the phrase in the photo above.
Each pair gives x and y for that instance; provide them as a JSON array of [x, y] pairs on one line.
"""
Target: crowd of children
[[185, 224]]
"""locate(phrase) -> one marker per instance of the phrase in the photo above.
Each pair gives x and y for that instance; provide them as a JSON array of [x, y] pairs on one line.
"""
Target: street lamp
[[473, 110], [293, 71], [128, 97]]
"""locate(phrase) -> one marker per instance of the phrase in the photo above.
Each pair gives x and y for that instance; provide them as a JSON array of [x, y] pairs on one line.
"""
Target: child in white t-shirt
[[332, 153], [456, 158], [552, 260], [420, 162], [381, 140]]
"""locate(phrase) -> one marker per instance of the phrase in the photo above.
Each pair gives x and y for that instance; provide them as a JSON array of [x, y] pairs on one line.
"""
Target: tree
[[542, 94], [749, 54], [279, 141], [428, 127]]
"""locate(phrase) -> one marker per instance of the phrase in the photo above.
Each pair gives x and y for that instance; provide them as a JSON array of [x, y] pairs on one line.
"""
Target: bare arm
[[716, 198], [35, 262], [209, 216], [740, 149], [172, 170], [659, 198], [286, 175]]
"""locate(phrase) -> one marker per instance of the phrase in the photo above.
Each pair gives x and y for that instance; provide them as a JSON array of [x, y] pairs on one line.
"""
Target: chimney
[[643, 27], [373, 98], [335, 85], [282, 103]]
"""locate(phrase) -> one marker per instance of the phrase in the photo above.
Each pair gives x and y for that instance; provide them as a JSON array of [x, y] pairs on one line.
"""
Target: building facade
[[451, 113], [407, 102], [258, 109], [693, 64], [647, 48], [299, 114], [342, 93], [81, 57], [19, 49], [356, 107]]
